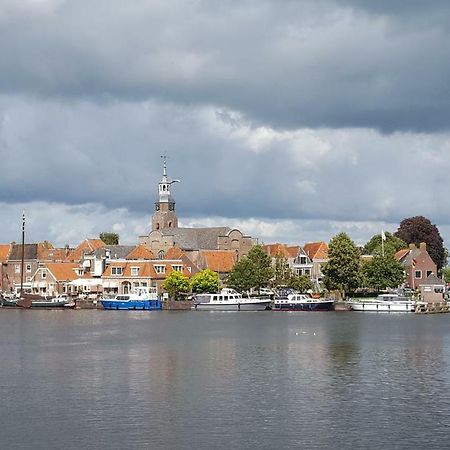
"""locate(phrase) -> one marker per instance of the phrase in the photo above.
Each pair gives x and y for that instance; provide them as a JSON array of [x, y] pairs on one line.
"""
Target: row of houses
[[96, 268]]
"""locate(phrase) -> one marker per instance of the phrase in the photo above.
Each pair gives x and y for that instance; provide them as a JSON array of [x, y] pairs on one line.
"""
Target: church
[[165, 234]]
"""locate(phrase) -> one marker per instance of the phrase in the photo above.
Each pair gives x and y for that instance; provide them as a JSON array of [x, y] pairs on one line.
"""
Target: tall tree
[[252, 271], [176, 284], [392, 244], [282, 272], [415, 230], [206, 281], [343, 269], [383, 272], [109, 238]]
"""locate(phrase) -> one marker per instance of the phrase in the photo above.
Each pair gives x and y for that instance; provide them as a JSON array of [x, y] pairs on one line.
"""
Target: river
[[212, 380]]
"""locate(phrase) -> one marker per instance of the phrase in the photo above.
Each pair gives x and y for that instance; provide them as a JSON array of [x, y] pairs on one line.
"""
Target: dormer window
[[117, 271], [44, 274], [177, 268], [160, 269], [134, 271]]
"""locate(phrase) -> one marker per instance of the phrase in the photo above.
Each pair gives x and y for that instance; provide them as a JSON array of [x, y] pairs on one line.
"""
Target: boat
[[289, 300], [12, 301], [59, 301], [140, 299], [384, 303], [230, 300]]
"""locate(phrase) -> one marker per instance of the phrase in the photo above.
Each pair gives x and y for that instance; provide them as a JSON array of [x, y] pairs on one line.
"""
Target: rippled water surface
[[210, 380]]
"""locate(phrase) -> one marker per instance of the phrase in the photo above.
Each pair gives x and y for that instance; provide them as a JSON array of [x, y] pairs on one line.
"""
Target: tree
[[251, 271], [392, 244], [415, 230], [262, 266], [206, 281], [109, 238], [282, 272], [176, 284], [301, 283], [383, 272], [241, 275], [343, 271], [446, 274]]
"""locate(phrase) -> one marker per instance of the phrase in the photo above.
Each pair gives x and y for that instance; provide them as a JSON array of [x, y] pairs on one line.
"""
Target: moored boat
[[59, 301], [384, 303], [230, 300], [289, 300], [139, 299]]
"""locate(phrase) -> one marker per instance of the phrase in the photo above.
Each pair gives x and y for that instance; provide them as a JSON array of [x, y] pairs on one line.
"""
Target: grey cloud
[[285, 64]]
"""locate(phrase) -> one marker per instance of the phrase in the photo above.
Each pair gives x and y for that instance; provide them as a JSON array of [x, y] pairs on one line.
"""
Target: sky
[[291, 120]]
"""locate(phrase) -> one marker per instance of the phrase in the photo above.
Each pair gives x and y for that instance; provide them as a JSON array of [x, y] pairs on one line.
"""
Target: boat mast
[[23, 254]]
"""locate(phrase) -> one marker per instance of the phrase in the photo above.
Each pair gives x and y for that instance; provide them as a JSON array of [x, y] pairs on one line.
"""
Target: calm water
[[131, 380]]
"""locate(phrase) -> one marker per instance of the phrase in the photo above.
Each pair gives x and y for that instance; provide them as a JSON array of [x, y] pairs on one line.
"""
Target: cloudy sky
[[292, 120]]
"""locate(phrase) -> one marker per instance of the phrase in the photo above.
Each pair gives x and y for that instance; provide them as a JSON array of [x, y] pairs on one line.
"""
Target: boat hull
[[307, 306], [148, 305], [383, 308], [259, 306]]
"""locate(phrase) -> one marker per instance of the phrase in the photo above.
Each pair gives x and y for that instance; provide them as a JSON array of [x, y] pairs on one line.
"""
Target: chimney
[[423, 246], [412, 246]]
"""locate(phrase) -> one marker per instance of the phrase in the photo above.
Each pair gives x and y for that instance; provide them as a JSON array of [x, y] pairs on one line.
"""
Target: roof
[[196, 238], [30, 252], [316, 250], [401, 254], [219, 260], [53, 254], [276, 250], [115, 251], [4, 252], [433, 280], [63, 271], [86, 246], [146, 268], [140, 252], [174, 253], [293, 251]]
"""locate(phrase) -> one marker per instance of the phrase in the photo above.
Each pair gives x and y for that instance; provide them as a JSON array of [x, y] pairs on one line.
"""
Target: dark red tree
[[415, 230]]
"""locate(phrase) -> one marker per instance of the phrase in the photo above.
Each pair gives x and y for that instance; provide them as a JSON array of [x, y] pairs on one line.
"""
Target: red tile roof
[[316, 250], [86, 246], [146, 269], [4, 252], [276, 250], [63, 271], [140, 252], [174, 253], [219, 260]]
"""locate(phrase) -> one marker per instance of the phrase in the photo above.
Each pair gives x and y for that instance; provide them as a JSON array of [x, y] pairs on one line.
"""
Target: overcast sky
[[292, 120]]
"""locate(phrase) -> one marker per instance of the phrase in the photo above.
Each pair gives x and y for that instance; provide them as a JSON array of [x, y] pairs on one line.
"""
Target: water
[[204, 380]]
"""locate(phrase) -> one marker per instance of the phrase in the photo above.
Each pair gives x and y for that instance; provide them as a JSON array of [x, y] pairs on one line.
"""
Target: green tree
[[282, 272], [301, 283], [252, 271], [109, 238], [383, 272], [446, 274], [176, 284], [392, 244], [343, 270], [415, 230], [206, 281], [241, 275]]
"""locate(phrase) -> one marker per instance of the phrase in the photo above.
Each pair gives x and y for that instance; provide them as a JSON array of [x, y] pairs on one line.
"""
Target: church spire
[[164, 215]]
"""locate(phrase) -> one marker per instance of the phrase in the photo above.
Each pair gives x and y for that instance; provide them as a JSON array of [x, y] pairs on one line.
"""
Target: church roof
[[196, 238]]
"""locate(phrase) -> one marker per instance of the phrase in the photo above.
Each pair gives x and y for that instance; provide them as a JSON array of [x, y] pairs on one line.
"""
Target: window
[[116, 270], [161, 254], [144, 284], [418, 274], [17, 268], [160, 269], [44, 274], [307, 271], [28, 268], [429, 272], [302, 259], [134, 271], [177, 268], [298, 271]]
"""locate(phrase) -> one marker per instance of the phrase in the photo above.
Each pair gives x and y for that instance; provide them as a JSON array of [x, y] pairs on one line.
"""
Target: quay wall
[[178, 305]]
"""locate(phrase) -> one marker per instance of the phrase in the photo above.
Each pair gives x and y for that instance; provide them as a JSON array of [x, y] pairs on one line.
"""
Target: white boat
[[230, 300], [384, 303]]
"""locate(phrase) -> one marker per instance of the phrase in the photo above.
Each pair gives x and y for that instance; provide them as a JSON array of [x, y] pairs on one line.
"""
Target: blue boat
[[140, 299]]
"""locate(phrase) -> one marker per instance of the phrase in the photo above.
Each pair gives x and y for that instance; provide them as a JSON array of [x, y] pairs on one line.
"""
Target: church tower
[[164, 215]]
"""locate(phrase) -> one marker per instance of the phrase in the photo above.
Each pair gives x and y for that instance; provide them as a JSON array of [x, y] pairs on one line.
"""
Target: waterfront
[[112, 380]]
